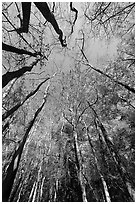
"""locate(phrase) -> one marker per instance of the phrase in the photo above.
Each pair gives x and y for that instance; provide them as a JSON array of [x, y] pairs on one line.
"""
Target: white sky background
[[98, 51]]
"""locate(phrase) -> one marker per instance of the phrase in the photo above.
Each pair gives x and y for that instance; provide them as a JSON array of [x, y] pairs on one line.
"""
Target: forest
[[68, 101]]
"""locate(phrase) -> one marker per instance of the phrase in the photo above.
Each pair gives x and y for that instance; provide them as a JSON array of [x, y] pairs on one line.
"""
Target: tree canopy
[[68, 102]]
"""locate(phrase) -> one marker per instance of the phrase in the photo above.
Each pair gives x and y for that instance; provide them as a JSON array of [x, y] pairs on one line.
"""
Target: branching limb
[[100, 72], [9, 76], [76, 16]]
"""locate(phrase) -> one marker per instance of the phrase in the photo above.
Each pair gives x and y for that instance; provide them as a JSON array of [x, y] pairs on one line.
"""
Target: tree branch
[[9, 76], [100, 72]]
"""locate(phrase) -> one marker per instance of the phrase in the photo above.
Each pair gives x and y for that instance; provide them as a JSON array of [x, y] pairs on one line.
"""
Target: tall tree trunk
[[44, 9], [13, 166], [35, 192], [79, 167], [32, 192], [56, 189], [105, 188], [41, 188], [114, 154], [9, 76], [116, 158], [16, 189], [19, 194], [16, 107]]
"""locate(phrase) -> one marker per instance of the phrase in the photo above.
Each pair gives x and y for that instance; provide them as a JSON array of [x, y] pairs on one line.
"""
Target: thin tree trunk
[[35, 191], [32, 192], [41, 189], [38, 179], [9, 76], [107, 196], [15, 108], [26, 177], [113, 152], [15, 190], [95, 195], [56, 189], [19, 194], [116, 158], [79, 167], [131, 190], [10, 48], [13, 166]]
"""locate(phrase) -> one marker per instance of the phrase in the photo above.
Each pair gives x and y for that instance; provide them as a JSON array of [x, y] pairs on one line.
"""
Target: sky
[[97, 51]]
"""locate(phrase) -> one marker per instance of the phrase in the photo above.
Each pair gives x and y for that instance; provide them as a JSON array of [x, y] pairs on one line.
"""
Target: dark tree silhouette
[[48, 15], [9, 76], [76, 16], [15, 108], [10, 48], [14, 164]]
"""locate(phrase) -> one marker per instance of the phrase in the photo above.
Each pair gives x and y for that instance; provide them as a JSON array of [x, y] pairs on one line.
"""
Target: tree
[[9, 76], [13, 166], [68, 129], [10, 48]]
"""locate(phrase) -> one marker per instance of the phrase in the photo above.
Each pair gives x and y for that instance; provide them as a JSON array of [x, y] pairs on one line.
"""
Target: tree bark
[[114, 154], [105, 188], [16, 189], [79, 167], [116, 158], [35, 191], [19, 194], [32, 192], [13, 166], [41, 188]]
